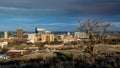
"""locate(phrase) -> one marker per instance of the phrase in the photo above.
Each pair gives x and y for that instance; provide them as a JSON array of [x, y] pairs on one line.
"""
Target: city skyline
[[55, 15]]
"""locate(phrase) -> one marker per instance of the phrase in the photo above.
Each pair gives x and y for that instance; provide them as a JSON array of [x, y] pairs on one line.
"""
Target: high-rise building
[[40, 30], [19, 33], [43, 38], [52, 37], [47, 37], [32, 38], [5, 34]]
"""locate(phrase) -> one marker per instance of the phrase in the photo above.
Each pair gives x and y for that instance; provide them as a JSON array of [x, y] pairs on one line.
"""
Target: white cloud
[[21, 19], [55, 24], [24, 10]]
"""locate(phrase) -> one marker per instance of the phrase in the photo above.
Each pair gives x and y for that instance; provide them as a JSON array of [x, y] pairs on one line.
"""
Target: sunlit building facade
[[40, 30], [5, 35], [47, 37]]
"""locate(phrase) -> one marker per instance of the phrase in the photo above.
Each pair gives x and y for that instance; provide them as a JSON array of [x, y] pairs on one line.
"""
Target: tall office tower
[[5, 34], [19, 33]]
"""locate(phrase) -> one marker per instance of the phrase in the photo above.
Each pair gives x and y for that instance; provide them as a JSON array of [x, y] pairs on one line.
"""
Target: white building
[[68, 38], [81, 35], [47, 32], [40, 30], [5, 35], [32, 38], [3, 44]]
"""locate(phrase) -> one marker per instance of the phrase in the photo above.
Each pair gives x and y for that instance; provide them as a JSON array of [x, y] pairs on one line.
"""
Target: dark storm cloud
[[95, 7], [61, 6]]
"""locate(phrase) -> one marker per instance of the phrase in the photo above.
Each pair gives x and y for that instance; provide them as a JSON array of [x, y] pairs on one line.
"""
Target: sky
[[56, 15]]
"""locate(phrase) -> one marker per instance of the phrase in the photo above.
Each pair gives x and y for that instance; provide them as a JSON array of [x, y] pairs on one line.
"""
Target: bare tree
[[95, 28]]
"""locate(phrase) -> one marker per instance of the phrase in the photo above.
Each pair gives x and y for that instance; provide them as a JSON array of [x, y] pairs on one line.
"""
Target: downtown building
[[41, 35], [19, 33], [5, 35], [80, 36], [47, 37]]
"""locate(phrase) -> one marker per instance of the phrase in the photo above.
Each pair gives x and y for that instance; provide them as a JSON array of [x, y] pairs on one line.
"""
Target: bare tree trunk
[[91, 26]]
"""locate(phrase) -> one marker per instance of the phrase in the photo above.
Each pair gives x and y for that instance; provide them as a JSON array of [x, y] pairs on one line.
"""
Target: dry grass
[[43, 56], [72, 58]]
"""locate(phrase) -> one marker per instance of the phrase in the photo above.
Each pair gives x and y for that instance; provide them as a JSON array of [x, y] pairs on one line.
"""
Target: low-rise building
[[3, 44], [16, 53], [80, 35], [68, 38]]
